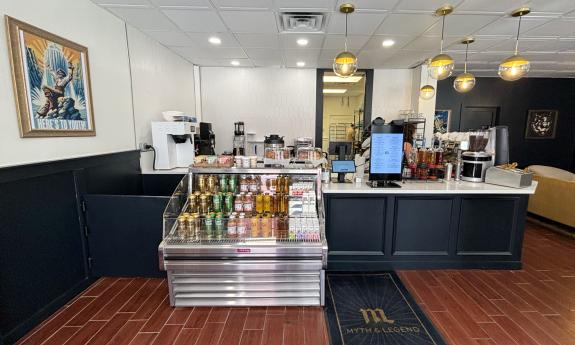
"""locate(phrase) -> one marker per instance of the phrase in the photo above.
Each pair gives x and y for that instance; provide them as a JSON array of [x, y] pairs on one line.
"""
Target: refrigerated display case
[[245, 237]]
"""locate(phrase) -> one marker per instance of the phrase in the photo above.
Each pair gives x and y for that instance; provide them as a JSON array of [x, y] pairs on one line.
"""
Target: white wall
[[83, 22], [422, 106], [161, 80], [391, 92], [268, 100]]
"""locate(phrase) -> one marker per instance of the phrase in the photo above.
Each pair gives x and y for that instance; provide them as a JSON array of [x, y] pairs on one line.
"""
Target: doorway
[[343, 108]]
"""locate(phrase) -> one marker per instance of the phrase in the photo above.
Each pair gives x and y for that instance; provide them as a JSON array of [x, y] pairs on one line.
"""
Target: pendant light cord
[[517, 41], [465, 65], [442, 28], [345, 32]]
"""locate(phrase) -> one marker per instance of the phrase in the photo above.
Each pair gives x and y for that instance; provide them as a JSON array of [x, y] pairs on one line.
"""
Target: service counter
[[425, 225]]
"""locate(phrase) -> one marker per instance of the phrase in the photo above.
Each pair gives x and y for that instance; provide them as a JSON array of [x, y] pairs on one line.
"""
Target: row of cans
[[217, 183]]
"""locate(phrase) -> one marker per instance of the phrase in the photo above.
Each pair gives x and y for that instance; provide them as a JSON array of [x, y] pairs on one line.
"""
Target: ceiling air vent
[[302, 21]]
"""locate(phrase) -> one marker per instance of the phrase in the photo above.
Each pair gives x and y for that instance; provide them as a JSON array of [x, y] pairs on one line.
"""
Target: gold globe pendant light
[[466, 81], [441, 66], [515, 67], [345, 63], [427, 92]]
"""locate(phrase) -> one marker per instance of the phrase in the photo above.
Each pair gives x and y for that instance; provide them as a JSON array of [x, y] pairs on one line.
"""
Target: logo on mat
[[375, 315]]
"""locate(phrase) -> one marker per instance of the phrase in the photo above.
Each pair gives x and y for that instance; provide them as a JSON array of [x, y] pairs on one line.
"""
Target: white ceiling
[[250, 32]]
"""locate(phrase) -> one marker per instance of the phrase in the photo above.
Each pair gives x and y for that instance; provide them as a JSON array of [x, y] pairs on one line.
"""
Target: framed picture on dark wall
[[51, 78], [441, 121], [541, 124]]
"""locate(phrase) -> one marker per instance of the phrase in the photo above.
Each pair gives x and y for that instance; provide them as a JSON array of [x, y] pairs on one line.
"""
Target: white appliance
[[173, 143]]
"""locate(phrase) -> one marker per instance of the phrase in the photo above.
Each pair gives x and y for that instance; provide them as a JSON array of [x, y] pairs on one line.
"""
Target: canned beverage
[[228, 203], [219, 226], [182, 226], [223, 183], [233, 184], [202, 183], [204, 206], [192, 203], [211, 184], [196, 229], [217, 202], [209, 225]]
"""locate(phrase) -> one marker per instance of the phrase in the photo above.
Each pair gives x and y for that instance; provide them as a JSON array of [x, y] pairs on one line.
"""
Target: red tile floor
[[535, 305]]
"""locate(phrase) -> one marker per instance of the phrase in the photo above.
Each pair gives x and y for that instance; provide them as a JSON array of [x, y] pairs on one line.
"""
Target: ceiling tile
[[375, 42], [286, 5], [558, 28], [337, 41], [201, 39], [211, 53], [204, 4], [431, 43], [552, 5], [490, 6], [423, 5], [480, 44], [195, 20], [406, 24], [250, 22], [122, 2], [144, 18], [171, 38], [259, 53], [301, 54], [508, 26], [462, 25], [407, 58], [373, 5], [528, 45], [222, 62], [358, 23], [292, 62], [270, 41], [275, 62], [243, 4], [289, 40]]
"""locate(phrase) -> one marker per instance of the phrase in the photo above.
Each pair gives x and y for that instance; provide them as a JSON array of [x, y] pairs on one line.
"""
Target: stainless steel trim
[[243, 265], [283, 171], [230, 302], [246, 294], [322, 288], [161, 256], [247, 288], [244, 279]]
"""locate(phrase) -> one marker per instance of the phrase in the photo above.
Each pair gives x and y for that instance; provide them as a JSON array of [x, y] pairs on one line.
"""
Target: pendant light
[[427, 91], [516, 66], [345, 63], [466, 81], [441, 66]]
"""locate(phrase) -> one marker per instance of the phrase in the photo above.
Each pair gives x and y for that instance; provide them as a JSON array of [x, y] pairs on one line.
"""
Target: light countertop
[[179, 171], [447, 187]]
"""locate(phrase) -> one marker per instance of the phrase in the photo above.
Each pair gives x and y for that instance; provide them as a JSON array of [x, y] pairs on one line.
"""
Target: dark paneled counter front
[[425, 225]]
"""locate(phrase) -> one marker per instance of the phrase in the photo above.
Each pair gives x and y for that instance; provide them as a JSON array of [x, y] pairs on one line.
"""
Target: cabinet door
[[422, 226], [355, 225], [487, 226]]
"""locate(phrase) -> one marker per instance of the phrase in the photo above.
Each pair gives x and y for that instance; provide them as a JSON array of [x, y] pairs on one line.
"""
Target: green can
[[233, 183], [219, 226], [223, 183], [209, 225], [217, 202], [229, 203]]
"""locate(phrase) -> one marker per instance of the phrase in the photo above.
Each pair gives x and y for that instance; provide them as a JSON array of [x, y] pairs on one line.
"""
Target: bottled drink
[[219, 226], [239, 203], [241, 227], [259, 203], [255, 226], [265, 224], [267, 203], [232, 226], [248, 203]]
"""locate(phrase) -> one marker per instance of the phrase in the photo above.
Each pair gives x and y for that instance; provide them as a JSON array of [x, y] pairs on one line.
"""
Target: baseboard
[[551, 225], [23, 328]]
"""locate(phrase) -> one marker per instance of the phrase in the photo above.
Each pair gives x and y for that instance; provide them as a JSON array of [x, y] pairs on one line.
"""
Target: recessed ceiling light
[[300, 64], [215, 40], [235, 63], [336, 79], [334, 90], [302, 42], [388, 43]]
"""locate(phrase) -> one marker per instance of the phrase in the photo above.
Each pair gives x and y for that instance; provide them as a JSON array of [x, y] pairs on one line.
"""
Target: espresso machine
[[486, 148], [173, 143], [206, 140]]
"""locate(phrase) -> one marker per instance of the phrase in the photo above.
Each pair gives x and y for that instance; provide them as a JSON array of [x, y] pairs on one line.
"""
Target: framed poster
[[541, 124], [441, 121], [51, 78]]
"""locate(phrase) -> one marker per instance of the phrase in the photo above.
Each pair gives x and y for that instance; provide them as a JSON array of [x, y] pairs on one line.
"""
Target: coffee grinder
[[239, 139], [476, 161]]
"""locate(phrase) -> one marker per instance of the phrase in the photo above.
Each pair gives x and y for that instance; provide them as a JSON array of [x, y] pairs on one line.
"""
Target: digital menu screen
[[386, 153]]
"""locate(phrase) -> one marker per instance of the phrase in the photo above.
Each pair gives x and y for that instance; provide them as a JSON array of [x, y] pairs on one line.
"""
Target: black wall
[[514, 99], [43, 248]]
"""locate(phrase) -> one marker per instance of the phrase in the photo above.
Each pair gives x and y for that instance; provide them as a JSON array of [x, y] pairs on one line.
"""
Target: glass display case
[[235, 236]]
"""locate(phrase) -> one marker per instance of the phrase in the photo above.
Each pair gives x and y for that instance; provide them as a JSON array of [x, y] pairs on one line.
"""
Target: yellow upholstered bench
[[555, 195]]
